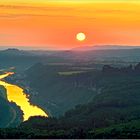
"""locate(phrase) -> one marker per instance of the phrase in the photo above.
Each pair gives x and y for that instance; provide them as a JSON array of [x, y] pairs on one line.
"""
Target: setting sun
[[80, 36]]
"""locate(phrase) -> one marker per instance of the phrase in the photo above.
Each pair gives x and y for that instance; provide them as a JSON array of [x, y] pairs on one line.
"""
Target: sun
[[81, 36]]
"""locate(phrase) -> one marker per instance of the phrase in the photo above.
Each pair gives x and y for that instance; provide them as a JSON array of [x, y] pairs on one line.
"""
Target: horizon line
[[82, 48]]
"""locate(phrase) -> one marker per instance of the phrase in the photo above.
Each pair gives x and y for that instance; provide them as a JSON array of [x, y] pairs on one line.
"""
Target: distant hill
[[104, 47], [22, 59], [14, 52], [131, 54]]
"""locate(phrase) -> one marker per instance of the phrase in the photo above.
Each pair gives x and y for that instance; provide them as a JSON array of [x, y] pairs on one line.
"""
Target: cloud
[[45, 8], [57, 11], [17, 11]]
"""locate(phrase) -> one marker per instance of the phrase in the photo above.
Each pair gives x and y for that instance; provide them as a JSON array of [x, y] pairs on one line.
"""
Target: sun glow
[[80, 36], [42, 24]]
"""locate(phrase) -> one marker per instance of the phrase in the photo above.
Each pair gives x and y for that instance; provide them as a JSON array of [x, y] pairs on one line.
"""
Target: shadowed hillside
[[11, 114]]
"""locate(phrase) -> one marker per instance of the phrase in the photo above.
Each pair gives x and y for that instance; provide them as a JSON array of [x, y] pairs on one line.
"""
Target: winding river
[[16, 94]]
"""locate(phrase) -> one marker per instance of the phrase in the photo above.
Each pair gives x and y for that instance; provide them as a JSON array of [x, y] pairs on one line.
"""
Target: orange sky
[[52, 24]]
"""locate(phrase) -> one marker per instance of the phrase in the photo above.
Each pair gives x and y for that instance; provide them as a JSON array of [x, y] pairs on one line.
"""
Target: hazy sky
[[53, 24]]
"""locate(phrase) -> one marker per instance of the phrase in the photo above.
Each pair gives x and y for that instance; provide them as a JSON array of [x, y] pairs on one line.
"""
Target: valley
[[79, 97]]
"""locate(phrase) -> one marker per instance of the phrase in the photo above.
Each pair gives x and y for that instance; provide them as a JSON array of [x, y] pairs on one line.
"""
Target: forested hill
[[62, 87], [117, 103], [112, 113]]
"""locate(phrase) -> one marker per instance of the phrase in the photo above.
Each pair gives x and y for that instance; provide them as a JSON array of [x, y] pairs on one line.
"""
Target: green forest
[[113, 110]]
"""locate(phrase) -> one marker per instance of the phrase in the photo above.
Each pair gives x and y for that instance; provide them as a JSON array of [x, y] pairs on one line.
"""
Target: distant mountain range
[[104, 47], [103, 53], [118, 53], [80, 48]]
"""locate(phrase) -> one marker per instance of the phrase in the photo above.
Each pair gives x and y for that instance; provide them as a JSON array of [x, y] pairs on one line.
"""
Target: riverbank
[[17, 95], [11, 115], [19, 79]]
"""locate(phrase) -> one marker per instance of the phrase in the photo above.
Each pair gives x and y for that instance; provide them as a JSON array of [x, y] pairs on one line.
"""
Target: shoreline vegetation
[[13, 114]]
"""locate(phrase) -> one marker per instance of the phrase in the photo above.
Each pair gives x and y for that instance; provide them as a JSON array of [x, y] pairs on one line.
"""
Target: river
[[16, 94]]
